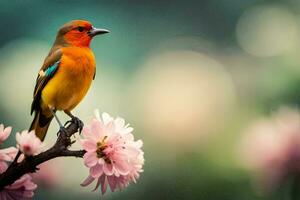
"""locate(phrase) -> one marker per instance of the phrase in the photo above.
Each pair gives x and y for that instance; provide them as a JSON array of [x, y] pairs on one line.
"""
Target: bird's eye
[[80, 28]]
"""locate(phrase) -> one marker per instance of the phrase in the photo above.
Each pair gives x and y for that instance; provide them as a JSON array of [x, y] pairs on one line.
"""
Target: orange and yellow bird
[[65, 76]]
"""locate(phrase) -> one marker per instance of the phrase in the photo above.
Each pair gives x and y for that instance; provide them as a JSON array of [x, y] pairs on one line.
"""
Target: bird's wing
[[47, 71]]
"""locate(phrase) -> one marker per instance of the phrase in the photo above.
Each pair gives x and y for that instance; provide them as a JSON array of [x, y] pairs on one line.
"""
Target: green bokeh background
[[203, 162]]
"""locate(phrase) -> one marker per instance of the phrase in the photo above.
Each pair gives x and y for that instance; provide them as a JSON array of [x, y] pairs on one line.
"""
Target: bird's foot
[[62, 130], [77, 121], [72, 142]]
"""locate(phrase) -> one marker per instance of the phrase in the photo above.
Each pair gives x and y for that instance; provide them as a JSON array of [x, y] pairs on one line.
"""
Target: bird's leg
[[75, 120], [62, 129]]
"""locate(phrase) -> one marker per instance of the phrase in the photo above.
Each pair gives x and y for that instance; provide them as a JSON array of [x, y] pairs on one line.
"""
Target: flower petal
[[103, 184], [106, 118], [96, 130], [112, 181], [108, 169], [122, 167], [97, 185], [97, 114], [89, 145], [87, 181], [96, 171], [90, 159], [6, 132]]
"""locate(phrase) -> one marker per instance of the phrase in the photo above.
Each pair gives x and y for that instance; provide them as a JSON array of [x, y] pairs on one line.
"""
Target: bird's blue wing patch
[[52, 69]]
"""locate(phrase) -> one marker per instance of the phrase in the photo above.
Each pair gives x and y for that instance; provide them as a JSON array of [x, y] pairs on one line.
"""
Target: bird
[[65, 76]]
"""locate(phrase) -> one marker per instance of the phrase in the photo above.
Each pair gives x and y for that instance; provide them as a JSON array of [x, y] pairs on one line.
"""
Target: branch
[[29, 164]]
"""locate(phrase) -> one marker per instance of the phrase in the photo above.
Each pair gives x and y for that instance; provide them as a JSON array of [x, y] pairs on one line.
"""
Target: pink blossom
[[28, 143], [4, 133], [21, 189], [270, 147], [114, 158], [7, 155]]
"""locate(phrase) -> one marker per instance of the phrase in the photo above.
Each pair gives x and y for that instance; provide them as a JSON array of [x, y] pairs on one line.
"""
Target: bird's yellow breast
[[72, 80]]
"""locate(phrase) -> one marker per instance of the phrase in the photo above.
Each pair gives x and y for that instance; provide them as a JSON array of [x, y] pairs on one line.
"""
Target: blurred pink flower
[[48, 175], [21, 189], [7, 155], [114, 158], [4, 133], [271, 147], [28, 143]]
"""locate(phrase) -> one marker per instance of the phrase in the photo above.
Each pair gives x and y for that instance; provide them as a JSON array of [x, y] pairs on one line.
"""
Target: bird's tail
[[40, 124]]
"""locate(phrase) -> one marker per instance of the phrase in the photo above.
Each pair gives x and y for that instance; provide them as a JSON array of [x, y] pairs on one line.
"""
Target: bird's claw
[[77, 121], [62, 130], [68, 122], [72, 142]]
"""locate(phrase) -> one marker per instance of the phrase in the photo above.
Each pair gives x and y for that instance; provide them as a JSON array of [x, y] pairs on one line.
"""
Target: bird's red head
[[78, 33]]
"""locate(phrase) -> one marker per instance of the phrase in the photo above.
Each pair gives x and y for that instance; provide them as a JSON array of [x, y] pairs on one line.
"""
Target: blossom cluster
[[21, 189], [112, 155]]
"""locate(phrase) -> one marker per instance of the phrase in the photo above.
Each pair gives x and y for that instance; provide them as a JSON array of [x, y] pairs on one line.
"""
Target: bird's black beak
[[97, 31]]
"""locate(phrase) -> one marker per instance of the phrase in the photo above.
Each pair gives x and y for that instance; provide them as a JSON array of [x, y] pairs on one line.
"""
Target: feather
[[51, 70], [50, 66]]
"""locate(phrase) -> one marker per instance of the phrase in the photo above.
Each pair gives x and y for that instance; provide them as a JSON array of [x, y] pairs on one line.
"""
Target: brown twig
[[30, 164]]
